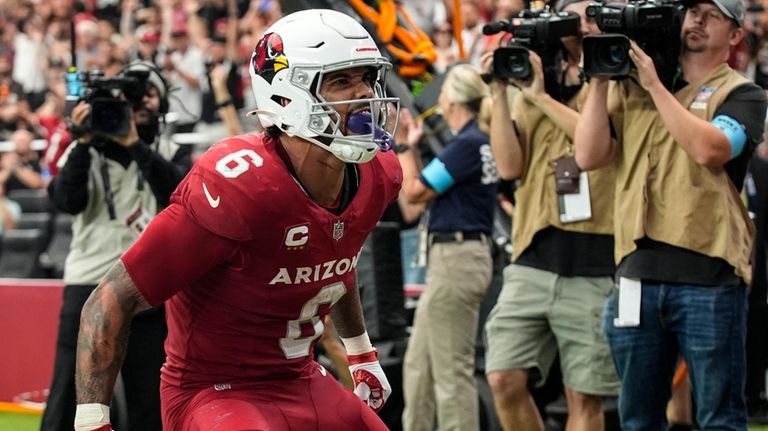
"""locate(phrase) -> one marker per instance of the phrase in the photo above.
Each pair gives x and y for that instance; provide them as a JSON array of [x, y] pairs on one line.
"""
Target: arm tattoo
[[347, 313], [104, 328]]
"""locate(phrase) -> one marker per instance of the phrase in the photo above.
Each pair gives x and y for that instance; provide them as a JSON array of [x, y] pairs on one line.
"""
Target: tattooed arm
[[347, 313], [371, 383], [104, 327]]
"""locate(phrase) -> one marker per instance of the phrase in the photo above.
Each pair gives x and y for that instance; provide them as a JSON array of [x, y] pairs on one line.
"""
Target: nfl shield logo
[[338, 230]]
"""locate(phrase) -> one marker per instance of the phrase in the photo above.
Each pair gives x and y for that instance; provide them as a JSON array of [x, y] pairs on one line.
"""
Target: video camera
[[111, 99], [653, 24], [538, 30]]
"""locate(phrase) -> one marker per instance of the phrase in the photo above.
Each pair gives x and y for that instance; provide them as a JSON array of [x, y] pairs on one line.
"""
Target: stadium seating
[[42, 221], [55, 255], [21, 249], [31, 200]]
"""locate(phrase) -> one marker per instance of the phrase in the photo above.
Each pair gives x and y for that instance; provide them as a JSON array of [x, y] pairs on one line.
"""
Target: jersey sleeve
[[173, 252]]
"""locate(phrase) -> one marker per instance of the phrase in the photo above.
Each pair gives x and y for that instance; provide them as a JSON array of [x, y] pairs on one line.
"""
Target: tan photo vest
[[542, 142], [663, 194]]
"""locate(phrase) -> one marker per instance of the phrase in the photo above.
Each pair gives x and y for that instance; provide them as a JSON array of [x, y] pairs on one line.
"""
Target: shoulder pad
[[389, 165], [224, 190]]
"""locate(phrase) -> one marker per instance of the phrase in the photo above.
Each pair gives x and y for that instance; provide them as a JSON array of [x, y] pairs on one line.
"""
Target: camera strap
[[109, 195]]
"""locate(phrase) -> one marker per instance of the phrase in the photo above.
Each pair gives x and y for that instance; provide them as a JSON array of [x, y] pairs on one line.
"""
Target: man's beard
[[148, 131], [692, 46]]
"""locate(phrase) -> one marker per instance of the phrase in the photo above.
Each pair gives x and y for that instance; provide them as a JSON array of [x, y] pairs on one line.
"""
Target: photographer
[[562, 262], [683, 236], [113, 185]]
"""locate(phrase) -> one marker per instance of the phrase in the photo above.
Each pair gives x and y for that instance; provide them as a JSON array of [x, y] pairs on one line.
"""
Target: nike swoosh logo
[[214, 202]]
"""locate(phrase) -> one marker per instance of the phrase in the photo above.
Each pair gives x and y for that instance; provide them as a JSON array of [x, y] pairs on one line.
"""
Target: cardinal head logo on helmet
[[269, 58]]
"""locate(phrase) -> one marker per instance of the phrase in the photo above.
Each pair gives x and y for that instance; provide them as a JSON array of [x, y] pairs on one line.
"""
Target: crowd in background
[[186, 40]]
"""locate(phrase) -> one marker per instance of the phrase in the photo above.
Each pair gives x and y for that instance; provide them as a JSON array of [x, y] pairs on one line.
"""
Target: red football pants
[[313, 402]]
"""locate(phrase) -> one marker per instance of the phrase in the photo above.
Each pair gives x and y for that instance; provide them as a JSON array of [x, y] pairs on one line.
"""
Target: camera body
[[653, 24], [537, 30], [112, 99]]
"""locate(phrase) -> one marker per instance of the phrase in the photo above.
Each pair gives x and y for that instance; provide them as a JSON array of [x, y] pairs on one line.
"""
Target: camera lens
[[606, 55], [612, 55], [518, 65], [511, 62]]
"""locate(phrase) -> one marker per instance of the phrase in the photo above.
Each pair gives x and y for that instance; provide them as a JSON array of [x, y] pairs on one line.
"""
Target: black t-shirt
[[657, 261], [570, 254]]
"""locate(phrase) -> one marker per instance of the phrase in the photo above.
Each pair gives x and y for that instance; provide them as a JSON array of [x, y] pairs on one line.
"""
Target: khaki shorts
[[539, 313]]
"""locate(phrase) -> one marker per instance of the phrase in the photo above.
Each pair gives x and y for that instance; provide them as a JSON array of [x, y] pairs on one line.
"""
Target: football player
[[260, 243]]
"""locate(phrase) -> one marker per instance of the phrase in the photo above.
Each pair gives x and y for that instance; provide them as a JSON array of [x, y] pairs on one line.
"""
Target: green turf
[[19, 422], [24, 422]]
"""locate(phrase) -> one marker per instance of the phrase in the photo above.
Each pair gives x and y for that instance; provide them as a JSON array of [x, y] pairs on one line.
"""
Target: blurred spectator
[[211, 12], [222, 52], [428, 15], [12, 104], [217, 57], [502, 10], [29, 61], [20, 167], [106, 30], [49, 118], [148, 42], [149, 15], [58, 42], [10, 212], [87, 33], [62, 9], [445, 48], [260, 15], [506, 9], [222, 99], [472, 33], [184, 68]]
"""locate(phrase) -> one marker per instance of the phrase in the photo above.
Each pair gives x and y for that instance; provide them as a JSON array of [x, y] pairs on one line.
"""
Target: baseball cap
[[733, 9], [179, 30], [147, 34]]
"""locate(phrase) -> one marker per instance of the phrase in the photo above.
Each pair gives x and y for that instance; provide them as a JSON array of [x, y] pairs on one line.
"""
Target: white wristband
[[358, 345], [91, 416]]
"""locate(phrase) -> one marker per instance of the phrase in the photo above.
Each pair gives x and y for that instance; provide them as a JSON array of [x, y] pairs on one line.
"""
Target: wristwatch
[[401, 148]]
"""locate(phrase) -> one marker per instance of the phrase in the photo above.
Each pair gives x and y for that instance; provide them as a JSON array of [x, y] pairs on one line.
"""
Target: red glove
[[371, 384]]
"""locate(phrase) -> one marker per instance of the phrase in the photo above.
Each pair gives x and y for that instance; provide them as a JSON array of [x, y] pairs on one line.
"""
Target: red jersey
[[249, 264]]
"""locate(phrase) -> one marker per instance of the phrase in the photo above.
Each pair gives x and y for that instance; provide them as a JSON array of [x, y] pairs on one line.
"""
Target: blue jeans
[[707, 326]]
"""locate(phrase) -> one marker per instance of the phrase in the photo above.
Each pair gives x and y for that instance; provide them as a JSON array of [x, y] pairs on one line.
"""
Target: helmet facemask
[[366, 119]]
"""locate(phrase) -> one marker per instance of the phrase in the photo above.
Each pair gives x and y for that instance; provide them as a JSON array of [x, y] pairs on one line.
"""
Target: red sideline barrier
[[29, 319]]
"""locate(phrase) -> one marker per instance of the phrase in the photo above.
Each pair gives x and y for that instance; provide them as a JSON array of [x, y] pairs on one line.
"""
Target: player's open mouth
[[359, 122]]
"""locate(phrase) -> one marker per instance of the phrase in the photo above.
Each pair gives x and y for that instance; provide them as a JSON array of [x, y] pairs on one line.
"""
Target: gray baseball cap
[[733, 9], [561, 4]]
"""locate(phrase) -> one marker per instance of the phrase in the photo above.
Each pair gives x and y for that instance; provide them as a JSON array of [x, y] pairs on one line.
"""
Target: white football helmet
[[287, 69]]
